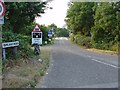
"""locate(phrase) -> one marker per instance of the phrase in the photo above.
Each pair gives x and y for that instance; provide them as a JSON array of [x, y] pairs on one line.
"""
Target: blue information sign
[[49, 33]]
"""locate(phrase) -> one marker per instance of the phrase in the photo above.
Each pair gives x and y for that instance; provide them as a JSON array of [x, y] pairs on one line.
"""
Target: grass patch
[[15, 82], [51, 42], [42, 72], [28, 73], [102, 51]]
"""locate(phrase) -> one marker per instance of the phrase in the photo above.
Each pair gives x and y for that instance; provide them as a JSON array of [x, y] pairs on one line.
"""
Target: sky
[[55, 15]]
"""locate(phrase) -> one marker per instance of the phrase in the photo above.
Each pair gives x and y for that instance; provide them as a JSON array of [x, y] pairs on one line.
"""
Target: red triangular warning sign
[[36, 28]]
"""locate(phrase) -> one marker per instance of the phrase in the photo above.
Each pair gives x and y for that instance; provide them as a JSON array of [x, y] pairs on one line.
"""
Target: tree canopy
[[80, 17], [21, 14], [97, 20]]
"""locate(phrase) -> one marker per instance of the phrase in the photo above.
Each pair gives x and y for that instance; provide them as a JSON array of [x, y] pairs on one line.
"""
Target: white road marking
[[88, 56], [61, 38], [66, 38], [105, 63]]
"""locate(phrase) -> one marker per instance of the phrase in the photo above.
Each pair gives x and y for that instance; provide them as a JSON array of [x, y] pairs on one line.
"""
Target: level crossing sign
[[37, 35]]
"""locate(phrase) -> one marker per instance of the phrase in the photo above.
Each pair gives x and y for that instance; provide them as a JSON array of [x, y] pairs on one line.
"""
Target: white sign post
[[36, 35]]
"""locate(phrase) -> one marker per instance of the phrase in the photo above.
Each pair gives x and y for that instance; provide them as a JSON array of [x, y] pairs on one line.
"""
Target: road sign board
[[37, 35], [10, 44], [2, 8], [7, 45], [49, 33], [36, 28]]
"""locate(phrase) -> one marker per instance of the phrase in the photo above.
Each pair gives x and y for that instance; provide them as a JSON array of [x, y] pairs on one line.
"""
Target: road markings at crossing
[[88, 56], [105, 63]]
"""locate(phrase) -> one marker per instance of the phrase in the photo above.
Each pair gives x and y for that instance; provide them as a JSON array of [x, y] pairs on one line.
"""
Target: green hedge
[[24, 48], [82, 40], [91, 43]]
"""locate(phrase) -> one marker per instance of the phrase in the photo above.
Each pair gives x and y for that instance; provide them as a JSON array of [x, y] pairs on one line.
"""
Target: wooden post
[[15, 52], [4, 54]]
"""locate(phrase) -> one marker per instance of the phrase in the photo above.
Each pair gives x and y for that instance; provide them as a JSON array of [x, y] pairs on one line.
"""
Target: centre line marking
[[105, 63]]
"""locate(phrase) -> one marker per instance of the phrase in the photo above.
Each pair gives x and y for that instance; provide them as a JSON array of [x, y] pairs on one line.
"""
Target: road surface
[[73, 67]]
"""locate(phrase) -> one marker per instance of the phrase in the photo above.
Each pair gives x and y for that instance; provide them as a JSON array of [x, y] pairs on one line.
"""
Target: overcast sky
[[55, 15]]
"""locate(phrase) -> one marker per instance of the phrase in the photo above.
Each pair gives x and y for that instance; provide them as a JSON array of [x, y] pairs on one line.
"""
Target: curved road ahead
[[73, 67]]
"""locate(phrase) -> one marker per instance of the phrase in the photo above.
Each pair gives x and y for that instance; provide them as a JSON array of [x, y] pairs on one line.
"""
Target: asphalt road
[[73, 67]]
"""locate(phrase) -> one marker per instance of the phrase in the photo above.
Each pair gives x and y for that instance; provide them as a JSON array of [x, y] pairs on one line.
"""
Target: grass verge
[[27, 74], [102, 51], [98, 50]]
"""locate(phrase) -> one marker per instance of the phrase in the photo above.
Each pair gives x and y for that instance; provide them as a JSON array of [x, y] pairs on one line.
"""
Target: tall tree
[[62, 32], [52, 27], [21, 14], [106, 22], [80, 17]]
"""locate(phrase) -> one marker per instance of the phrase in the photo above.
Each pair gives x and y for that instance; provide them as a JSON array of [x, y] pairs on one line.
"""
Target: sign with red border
[[37, 35], [2, 8], [36, 28]]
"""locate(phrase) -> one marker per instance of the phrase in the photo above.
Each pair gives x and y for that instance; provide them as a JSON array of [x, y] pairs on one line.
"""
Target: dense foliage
[[24, 49], [62, 32], [80, 17], [58, 32], [96, 23], [19, 15], [19, 22], [45, 33]]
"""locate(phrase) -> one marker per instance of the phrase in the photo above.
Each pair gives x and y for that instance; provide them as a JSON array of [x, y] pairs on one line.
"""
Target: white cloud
[[55, 15]]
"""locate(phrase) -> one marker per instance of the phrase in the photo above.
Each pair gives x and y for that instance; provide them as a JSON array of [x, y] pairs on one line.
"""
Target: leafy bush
[[45, 33], [8, 36], [24, 48], [62, 32], [115, 47], [82, 40], [72, 37], [102, 44]]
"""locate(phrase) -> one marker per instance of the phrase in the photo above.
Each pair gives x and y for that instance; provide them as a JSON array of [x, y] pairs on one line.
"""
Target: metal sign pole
[[2, 12], [1, 56], [1, 41], [2, 52]]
